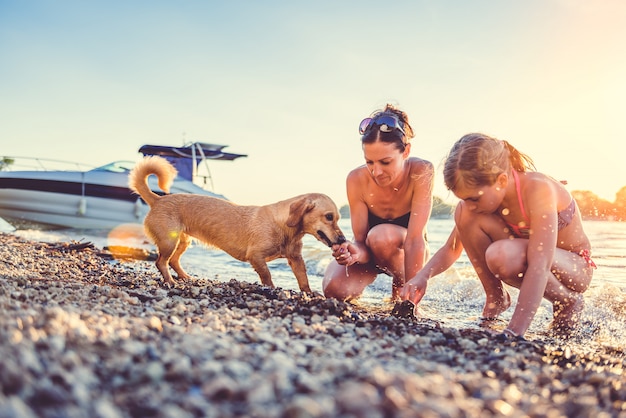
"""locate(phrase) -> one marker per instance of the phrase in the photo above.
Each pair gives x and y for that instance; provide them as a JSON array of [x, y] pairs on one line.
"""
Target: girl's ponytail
[[518, 160]]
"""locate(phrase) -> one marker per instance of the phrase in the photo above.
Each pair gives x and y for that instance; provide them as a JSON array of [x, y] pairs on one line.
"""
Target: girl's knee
[[493, 258], [505, 260]]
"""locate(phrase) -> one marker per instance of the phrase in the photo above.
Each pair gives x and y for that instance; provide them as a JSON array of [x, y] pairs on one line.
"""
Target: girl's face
[[385, 161], [483, 199]]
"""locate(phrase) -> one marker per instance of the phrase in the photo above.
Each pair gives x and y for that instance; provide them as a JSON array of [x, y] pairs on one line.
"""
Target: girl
[[390, 200], [518, 227]]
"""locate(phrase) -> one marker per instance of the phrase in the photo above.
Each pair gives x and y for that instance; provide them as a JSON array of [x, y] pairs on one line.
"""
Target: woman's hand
[[415, 289], [345, 254]]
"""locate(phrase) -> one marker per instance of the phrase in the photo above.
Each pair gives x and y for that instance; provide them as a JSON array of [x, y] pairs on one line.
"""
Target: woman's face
[[385, 161]]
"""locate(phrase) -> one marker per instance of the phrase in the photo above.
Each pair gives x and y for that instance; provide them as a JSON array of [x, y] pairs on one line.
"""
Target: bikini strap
[[519, 197]]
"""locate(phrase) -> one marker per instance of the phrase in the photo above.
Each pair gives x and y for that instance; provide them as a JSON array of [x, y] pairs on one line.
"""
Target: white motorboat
[[97, 198]]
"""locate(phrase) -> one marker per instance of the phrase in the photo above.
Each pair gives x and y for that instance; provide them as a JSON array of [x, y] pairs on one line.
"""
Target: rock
[[14, 407], [85, 336]]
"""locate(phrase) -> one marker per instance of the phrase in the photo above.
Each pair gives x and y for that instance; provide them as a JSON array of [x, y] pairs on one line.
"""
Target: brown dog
[[256, 234]]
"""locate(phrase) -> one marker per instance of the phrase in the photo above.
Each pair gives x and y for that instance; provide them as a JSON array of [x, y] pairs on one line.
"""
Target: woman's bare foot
[[493, 308], [567, 314]]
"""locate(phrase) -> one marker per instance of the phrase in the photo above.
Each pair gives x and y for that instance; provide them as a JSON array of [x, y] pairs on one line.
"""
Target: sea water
[[455, 298]]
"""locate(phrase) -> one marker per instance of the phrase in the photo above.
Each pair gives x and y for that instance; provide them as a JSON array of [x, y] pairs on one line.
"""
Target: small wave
[[455, 297]]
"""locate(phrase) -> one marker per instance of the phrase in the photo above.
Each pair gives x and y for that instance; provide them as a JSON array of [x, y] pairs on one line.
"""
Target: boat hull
[[81, 200], [26, 208]]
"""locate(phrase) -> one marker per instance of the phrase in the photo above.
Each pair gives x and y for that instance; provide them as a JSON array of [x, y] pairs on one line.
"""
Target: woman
[[518, 227], [390, 200]]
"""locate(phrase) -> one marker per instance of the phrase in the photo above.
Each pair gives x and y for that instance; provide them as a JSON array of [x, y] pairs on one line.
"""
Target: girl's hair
[[479, 159], [395, 136]]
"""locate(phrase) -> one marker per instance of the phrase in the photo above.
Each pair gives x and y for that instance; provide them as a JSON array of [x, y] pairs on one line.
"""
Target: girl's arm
[[415, 288], [540, 199]]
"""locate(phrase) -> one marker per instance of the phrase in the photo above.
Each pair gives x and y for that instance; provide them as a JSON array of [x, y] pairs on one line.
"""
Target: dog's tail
[[138, 177]]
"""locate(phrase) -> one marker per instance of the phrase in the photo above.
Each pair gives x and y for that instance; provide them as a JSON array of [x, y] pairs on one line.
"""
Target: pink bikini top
[[523, 231]]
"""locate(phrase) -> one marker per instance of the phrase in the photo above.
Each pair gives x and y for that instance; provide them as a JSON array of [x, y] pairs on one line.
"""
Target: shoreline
[[82, 335]]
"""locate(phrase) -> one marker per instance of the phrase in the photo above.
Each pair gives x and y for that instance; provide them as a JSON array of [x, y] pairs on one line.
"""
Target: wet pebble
[[85, 335]]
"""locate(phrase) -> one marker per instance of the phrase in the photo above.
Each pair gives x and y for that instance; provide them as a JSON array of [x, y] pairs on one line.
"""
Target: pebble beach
[[83, 334]]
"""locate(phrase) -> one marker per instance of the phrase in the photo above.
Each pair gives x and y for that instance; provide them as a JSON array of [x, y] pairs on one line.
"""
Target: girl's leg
[[507, 259], [569, 278], [347, 283], [574, 276], [572, 270], [386, 243], [478, 232]]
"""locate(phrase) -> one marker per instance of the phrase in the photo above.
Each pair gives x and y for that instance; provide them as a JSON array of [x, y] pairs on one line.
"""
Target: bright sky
[[288, 83]]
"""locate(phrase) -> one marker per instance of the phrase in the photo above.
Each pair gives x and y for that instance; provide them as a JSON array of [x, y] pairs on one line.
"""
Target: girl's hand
[[415, 289]]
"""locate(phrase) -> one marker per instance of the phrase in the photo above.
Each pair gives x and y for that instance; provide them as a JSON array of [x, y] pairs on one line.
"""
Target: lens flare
[[128, 241]]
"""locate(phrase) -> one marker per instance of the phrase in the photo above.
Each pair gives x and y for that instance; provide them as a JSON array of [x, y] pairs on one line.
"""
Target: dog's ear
[[297, 211]]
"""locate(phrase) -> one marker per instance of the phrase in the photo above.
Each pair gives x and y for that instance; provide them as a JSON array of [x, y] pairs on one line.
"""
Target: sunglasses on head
[[385, 122]]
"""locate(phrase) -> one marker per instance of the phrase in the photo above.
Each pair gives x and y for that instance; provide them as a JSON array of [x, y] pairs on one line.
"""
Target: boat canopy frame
[[187, 158]]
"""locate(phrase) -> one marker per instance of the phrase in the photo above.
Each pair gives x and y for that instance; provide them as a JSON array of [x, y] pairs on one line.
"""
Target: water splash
[[455, 298]]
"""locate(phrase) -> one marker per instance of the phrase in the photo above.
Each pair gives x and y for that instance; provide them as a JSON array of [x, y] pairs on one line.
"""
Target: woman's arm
[[356, 251], [415, 246]]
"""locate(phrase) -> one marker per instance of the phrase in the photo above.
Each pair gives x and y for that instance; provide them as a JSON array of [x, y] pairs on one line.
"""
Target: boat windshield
[[117, 167]]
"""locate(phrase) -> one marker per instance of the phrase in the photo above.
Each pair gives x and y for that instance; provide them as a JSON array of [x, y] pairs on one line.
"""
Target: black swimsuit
[[374, 220]]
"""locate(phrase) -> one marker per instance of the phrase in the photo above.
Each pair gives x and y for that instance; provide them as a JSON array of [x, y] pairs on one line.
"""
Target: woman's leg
[[341, 282], [386, 244]]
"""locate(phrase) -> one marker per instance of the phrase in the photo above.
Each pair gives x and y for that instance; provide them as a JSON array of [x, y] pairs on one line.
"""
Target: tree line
[[591, 207]]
